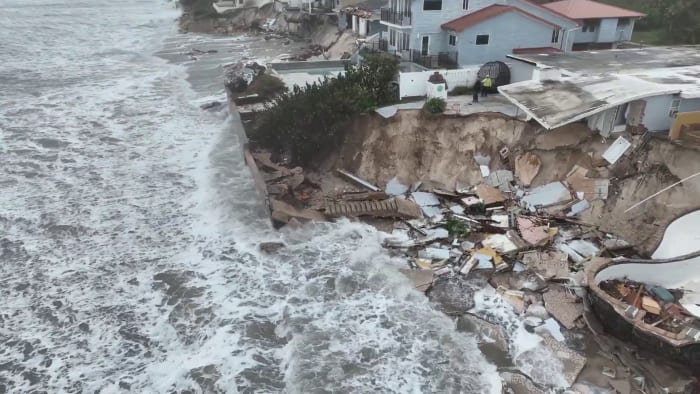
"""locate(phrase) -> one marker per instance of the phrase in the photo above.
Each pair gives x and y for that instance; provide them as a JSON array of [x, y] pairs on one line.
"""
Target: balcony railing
[[396, 17], [441, 60]]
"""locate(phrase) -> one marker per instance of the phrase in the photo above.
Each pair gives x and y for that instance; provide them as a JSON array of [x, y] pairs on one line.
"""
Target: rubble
[[572, 361], [590, 188], [547, 195], [491, 333], [489, 194], [422, 279], [452, 235], [549, 264], [563, 306]]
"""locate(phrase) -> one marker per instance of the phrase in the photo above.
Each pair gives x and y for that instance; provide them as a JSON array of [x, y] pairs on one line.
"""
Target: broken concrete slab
[[584, 248], [425, 199], [387, 112], [537, 310], [552, 327], [407, 209], [532, 233], [572, 361], [458, 209], [422, 279], [527, 166], [504, 243], [549, 264], [428, 202], [487, 331], [453, 295], [514, 297], [518, 281], [573, 255], [395, 188], [283, 212], [578, 207], [501, 220], [518, 383], [501, 179], [434, 254], [489, 194], [547, 195], [483, 162], [590, 188], [563, 306]]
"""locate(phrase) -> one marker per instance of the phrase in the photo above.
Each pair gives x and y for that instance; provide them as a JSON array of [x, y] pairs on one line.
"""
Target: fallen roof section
[[588, 9], [486, 13], [555, 103]]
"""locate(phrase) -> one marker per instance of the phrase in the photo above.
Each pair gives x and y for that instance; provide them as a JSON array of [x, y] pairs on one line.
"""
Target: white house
[[602, 26], [653, 88]]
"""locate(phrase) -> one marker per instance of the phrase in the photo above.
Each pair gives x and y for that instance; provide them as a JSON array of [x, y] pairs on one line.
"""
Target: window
[[392, 38], [555, 35], [482, 39], [432, 5], [405, 38], [623, 22], [674, 107], [465, 4], [589, 26], [453, 40]]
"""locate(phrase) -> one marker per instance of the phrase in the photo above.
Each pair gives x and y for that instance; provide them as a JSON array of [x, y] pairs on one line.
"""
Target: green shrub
[[456, 228], [306, 123], [460, 91], [435, 105]]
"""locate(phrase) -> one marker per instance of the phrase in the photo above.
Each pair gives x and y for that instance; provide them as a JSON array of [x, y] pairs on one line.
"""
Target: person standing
[[476, 92], [486, 85]]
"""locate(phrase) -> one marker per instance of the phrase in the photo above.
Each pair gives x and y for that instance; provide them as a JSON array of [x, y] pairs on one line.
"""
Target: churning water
[[129, 229]]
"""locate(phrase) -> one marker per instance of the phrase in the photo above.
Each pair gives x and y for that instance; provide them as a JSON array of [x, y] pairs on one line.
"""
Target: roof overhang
[[556, 103]]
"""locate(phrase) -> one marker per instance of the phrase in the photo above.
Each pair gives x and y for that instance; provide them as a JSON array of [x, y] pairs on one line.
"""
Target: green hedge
[[306, 123]]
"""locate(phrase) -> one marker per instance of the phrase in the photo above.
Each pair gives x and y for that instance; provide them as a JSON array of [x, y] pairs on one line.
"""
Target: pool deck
[[462, 106]]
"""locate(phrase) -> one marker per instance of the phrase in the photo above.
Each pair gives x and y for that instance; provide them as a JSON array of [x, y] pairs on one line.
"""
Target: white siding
[[520, 71], [656, 113], [506, 32], [608, 30], [428, 23]]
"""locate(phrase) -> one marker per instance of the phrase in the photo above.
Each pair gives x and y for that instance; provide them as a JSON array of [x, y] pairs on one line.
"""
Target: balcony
[[395, 17], [441, 60]]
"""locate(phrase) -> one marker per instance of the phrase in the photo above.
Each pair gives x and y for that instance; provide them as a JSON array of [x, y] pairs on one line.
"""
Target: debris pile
[[655, 305], [522, 236]]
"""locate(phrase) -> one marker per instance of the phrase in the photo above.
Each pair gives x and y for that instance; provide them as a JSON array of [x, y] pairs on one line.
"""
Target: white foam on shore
[[525, 348]]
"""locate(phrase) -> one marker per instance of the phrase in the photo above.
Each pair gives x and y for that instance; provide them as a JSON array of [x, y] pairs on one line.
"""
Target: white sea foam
[[130, 225]]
